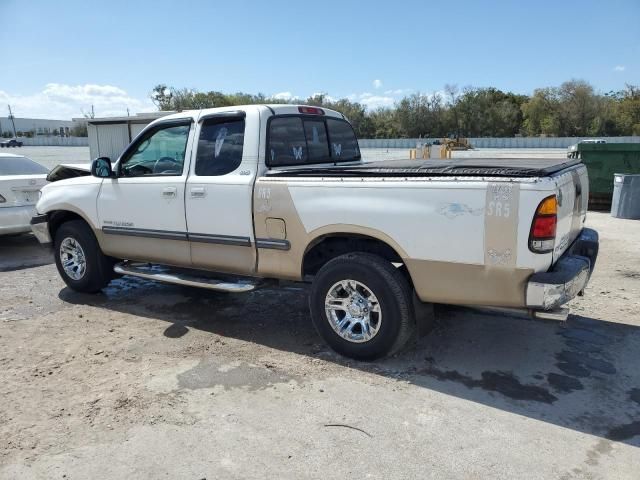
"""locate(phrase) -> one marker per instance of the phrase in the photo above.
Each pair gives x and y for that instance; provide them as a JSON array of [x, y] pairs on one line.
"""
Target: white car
[[20, 182]]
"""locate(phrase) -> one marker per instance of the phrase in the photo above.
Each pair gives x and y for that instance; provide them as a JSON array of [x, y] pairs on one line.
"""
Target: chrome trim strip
[[220, 239], [185, 236], [273, 243], [142, 232]]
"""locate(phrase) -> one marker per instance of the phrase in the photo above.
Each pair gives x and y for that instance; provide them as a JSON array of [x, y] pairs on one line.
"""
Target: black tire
[[99, 267], [389, 286]]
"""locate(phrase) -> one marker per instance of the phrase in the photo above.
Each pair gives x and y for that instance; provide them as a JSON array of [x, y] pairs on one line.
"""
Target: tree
[[627, 110], [572, 109]]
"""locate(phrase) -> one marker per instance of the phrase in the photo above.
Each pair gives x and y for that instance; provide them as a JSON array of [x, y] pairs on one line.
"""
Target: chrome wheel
[[353, 311], [72, 258]]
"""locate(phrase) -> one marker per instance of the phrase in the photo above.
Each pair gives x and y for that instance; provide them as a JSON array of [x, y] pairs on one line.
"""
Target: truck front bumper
[[567, 277], [40, 228]]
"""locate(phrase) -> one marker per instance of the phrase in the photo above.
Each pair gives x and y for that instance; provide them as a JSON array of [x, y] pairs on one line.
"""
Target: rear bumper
[[15, 219], [40, 228], [567, 277]]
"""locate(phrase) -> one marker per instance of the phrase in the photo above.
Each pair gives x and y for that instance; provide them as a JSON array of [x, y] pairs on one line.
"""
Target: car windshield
[[21, 166]]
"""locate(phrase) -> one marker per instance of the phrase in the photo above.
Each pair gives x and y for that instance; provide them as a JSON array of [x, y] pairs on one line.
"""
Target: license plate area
[[29, 196]]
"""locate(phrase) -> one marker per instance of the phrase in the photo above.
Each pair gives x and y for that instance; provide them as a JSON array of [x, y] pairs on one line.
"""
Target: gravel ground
[[158, 381]]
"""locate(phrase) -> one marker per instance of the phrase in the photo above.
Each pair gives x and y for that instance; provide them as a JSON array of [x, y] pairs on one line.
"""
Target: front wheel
[[361, 306], [80, 262]]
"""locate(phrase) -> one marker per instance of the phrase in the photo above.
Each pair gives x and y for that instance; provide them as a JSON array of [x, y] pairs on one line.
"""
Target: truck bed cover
[[469, 167]]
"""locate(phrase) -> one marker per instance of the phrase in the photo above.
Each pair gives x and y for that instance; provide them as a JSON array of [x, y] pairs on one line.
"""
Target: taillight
[[543, 228], [311, 110]]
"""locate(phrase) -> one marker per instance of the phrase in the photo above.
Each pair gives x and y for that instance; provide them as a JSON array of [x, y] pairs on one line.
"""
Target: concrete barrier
[[55, 141], [493, 142]]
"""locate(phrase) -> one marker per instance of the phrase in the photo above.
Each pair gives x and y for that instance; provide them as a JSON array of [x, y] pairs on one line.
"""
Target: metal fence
[[506, 142], [55, 141]]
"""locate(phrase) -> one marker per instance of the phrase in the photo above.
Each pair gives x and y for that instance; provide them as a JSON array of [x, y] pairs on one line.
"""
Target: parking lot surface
[[158, 381]]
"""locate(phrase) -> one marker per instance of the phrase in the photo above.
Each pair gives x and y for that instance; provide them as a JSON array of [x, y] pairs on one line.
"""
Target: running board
[[165, 274]]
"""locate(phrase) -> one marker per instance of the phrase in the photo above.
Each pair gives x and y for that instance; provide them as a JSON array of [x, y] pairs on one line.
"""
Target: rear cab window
[[310, 139]]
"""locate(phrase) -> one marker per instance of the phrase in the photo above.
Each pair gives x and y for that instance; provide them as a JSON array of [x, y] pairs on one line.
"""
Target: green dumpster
[[602, 161]]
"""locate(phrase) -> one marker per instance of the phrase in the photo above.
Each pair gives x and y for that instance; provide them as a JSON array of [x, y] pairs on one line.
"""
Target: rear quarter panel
[[448, 232]]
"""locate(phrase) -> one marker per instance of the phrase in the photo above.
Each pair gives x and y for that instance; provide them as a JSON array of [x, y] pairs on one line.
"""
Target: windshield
[[21, 166]]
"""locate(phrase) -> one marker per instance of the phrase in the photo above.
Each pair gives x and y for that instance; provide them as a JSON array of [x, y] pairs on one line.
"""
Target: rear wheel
[[80, 262], [361, 306]]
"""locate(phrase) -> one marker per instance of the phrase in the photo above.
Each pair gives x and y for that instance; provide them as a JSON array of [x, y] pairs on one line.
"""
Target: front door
[[141, 212], [219, 194]]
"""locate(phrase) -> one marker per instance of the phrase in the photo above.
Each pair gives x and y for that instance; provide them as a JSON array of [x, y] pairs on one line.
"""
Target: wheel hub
[[353, 311], [72, 258]]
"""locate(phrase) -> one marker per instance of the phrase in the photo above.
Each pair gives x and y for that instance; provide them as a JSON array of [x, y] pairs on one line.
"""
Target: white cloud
[[283, 96], [619, 68], [372, 101], [377, 83], [62, 102], [399, 91]]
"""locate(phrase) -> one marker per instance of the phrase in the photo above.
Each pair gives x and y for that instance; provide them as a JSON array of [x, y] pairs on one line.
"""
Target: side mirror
[[101, 168]]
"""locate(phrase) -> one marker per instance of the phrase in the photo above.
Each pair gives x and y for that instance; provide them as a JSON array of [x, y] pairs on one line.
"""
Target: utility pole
[[15, 135]]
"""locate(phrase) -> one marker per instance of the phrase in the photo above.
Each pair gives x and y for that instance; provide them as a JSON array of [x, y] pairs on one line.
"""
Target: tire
[[390, 325], [98, 268]]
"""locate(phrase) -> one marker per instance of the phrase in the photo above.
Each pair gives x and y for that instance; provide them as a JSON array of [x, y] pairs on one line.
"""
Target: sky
[[59, 58]]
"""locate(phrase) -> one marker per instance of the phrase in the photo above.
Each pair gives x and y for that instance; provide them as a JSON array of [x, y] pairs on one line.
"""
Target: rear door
[[219, 192], [573, 199]]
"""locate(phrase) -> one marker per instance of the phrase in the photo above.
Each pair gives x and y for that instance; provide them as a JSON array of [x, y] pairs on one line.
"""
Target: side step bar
[[164, 274]]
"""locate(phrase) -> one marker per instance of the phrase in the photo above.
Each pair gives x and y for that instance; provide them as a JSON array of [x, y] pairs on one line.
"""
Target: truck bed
[[459, 167]]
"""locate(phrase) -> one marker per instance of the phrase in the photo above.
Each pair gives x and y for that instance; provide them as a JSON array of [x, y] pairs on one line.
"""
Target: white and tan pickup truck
[[225, 198]]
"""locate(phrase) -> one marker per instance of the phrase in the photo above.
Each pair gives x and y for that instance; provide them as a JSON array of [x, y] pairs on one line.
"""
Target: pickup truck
[[230, 198]]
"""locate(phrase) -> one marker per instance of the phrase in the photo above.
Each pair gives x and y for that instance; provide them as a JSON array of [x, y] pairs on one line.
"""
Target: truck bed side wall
[[462, 241]]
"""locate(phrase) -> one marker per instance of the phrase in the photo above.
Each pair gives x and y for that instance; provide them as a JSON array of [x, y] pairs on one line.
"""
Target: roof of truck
[[276, 109]]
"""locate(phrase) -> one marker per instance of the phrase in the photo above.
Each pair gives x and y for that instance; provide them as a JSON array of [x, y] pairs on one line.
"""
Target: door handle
[[169, 192], [198, 192]]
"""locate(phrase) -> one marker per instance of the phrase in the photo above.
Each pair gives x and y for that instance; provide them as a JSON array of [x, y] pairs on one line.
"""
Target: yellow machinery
[[456, 143], [448, 145]]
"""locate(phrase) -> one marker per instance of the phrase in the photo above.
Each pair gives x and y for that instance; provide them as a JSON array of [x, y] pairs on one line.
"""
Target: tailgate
[[20, 190], [573, 197]]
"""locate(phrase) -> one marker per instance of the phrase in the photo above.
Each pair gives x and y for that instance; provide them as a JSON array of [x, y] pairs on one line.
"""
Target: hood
[[69, 170]]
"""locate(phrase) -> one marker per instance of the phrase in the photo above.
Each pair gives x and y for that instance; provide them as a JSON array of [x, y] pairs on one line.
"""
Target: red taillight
[[543, 227], [311, 110]]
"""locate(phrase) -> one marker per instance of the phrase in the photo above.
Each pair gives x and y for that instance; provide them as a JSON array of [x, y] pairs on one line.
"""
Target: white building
[[109, 136], [38, 126]]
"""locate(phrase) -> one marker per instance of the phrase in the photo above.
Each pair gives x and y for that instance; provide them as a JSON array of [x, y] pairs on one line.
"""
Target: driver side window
[[160, 152]]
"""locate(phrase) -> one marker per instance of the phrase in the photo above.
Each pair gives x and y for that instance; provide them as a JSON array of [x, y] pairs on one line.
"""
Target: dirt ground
[[157, 381]]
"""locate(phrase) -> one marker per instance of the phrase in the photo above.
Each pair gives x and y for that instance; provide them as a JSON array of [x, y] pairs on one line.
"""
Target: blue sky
[[64, 56]]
